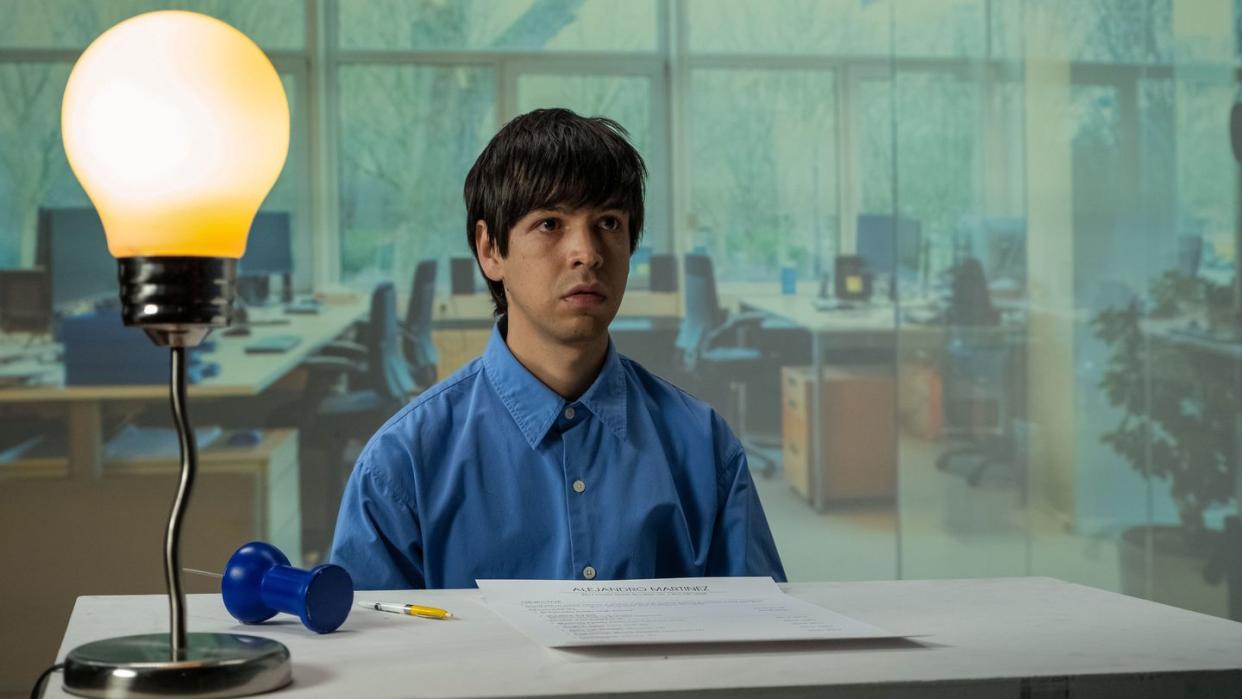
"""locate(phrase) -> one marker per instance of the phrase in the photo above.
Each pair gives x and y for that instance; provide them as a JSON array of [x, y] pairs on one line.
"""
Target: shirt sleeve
[[742, 543], [377, 538]]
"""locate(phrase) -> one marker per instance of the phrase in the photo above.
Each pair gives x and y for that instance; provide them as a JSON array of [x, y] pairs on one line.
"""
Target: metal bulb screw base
[[177, 300]]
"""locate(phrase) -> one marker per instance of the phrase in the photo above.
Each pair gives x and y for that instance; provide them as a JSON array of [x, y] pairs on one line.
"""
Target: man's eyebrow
[[564, 209]]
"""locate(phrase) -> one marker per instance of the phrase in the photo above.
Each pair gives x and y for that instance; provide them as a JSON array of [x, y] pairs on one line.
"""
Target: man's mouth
[[586, 295]]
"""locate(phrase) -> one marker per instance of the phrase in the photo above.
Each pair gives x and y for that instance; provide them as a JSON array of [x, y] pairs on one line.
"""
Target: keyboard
[[274, 344], [257, 322], [306, 306]]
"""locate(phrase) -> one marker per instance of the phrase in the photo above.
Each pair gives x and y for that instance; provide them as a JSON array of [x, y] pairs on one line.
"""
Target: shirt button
[[588, 573], [569, 413], [579, 486]]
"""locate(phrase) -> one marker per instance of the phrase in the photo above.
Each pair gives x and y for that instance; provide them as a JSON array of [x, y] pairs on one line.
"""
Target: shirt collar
[[535, 407]]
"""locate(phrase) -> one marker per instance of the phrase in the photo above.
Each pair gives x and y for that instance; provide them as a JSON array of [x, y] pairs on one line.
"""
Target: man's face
[[565, 272]]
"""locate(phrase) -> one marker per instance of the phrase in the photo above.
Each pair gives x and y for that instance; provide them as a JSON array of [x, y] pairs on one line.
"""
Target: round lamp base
[[216, 665]]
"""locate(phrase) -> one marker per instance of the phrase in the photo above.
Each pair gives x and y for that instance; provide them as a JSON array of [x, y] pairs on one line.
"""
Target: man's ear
[[489, 256]]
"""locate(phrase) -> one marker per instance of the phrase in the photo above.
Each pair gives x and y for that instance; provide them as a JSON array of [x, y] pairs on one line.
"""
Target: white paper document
[[563, 613]]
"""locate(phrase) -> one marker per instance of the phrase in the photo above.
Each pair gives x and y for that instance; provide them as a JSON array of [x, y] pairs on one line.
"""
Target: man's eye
[[610, 223], [548, 224]]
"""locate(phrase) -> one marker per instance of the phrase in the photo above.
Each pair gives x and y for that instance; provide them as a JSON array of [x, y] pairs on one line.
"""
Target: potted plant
[[1179, 416]]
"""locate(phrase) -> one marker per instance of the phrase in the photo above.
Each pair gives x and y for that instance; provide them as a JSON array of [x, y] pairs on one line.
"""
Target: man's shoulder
[[437, 400], [659, 388], [690, 425], [674, 402]]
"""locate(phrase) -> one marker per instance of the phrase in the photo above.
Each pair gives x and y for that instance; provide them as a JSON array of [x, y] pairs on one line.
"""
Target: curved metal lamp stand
[[177, 301]]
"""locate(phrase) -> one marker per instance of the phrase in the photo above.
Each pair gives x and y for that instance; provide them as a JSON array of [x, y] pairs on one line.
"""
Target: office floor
[[947, 529]]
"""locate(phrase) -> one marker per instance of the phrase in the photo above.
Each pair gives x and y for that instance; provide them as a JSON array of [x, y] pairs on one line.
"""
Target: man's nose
[[585, 247]]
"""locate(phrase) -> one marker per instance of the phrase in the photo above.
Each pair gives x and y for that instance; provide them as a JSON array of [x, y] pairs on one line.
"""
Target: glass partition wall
[[983, 252], [1088, 419]]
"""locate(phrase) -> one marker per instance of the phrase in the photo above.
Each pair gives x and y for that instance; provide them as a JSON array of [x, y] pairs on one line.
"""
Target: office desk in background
[[864, 327], [859, 331], [240, 375], [461, 324], [1010, 637]]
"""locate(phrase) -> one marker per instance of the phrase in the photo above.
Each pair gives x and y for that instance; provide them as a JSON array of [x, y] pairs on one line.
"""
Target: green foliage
[[1178, 404]]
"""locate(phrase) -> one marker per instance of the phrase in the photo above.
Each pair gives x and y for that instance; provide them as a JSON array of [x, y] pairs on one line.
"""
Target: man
[[551, 456]]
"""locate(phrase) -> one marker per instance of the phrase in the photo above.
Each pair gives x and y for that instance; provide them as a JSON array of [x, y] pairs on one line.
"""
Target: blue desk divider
[[99, 350]]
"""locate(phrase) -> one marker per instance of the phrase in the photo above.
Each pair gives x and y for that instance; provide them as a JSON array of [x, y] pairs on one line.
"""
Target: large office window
[[33, 171], [408, 135], [763, 170], [278, 25], [505, 25], [422, 87], [802, 27]]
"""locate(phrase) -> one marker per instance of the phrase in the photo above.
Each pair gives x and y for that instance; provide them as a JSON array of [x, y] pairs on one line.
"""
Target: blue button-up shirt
[[491, 474]]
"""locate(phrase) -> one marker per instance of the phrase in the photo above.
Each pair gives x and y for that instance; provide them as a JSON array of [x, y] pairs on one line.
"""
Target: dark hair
[[549, 158]]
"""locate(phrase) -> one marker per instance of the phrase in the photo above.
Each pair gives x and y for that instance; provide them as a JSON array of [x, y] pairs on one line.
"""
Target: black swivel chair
[[416, 335], [713, 358], [335, 424], [978, 369]]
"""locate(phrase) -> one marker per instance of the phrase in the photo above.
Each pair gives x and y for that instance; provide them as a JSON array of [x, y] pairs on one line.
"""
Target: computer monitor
[[853, 279], [25, 301], [72, 247], [887, 249], [1004, 251], [269, 248]]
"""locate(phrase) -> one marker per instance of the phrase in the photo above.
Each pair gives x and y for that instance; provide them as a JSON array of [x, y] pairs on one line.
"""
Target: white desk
[[1029, 637]]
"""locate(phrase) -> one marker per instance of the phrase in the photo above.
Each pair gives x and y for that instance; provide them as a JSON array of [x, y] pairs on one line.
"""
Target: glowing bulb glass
[[177, 126]]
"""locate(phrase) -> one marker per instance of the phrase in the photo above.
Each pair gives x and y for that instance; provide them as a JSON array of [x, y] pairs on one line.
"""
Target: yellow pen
[[409, 609]]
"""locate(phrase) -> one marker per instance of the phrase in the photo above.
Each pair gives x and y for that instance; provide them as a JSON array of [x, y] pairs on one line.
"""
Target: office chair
[[334, 424], [416, 331], [712, 358], [978, 366]]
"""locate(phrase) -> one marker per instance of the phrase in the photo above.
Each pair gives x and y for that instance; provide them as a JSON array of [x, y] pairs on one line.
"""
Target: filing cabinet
[[859, 428]]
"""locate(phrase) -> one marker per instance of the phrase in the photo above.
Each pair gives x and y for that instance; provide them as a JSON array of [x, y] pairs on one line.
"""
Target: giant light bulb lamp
[[177, 126]]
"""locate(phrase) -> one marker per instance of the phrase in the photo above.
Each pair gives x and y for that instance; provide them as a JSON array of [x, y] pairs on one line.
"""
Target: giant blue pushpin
[[259, 582]]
